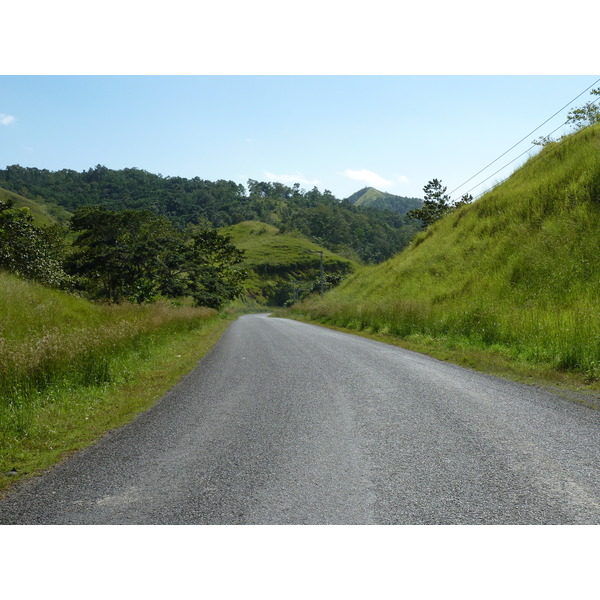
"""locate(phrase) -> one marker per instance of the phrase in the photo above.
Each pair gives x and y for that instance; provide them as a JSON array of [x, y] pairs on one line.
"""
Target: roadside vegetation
[[515, 274], [71, 369]]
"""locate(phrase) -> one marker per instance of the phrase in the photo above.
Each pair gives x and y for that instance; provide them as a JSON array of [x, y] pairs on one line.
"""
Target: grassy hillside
[[43, 213], [373, 198], [279, 260], [70, 369], [517, 272]]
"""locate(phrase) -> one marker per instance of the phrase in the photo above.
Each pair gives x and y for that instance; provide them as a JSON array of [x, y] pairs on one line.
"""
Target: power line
[[521, 140], [534, 160]]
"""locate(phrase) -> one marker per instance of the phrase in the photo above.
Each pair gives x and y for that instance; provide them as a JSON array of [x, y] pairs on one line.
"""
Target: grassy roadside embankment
[[570, 385], [70, 370], [510, 283]]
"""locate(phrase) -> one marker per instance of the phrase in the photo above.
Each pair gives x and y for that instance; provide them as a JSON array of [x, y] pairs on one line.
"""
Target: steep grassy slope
[[517, 271], [279, 260], [43, 214]]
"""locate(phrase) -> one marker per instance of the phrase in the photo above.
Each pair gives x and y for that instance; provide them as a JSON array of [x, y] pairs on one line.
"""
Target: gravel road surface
[[288, 423]]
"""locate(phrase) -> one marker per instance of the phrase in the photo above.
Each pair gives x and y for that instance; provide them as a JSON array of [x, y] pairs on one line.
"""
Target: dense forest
[[368, 234]]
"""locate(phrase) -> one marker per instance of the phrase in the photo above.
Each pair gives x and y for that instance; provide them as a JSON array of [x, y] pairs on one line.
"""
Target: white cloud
[[402, 179], [291, 179], [370, 178], [6, 119]]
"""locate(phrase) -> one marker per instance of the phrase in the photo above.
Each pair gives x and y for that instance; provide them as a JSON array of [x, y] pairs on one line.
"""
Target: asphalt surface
[[288, 423]]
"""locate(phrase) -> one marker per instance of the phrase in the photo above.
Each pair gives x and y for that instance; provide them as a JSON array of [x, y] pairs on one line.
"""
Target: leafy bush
[[32, 252]]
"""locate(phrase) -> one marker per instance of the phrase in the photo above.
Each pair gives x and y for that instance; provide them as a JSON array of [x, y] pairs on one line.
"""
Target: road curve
[[288, 423]]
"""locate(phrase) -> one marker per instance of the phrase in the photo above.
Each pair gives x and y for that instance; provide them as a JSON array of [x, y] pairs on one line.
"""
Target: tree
[[136, 255], [214, 278], [29, 251], [585, 115], [464, 199], [436, 203], [128, 255], [578, 118]]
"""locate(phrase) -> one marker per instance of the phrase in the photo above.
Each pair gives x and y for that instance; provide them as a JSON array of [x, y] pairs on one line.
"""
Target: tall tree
[[436, 203], [137, 255], [130, 254], [214, 275]]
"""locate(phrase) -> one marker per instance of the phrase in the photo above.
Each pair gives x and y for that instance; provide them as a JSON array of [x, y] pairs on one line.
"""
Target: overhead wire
[[520, 141], [558, 144]]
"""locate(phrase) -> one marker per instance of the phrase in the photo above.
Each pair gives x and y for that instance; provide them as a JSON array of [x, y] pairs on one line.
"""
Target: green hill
[[373, 198], [517, 271], [43, 213], [283, 263]]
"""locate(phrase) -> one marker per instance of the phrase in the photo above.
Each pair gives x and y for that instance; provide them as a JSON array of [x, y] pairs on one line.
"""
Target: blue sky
[[340, 133], [337, 95]]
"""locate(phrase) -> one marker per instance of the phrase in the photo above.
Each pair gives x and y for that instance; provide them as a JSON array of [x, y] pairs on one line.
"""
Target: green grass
[[71, 370], [278, 258], [269, 250], [516, 273], [43, 214]]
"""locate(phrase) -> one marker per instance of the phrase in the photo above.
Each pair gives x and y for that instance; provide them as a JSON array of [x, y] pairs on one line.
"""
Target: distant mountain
[[370, 197]]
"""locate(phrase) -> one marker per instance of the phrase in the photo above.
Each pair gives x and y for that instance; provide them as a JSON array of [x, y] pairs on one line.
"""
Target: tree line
[[368, 234], [130, 255]]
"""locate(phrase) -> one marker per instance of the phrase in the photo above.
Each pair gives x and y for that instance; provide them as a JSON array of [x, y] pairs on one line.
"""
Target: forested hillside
[[366, 234]]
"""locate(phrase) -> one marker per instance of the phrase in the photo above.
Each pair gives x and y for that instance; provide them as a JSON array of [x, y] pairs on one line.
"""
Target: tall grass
[[58, 350], [518, 271]]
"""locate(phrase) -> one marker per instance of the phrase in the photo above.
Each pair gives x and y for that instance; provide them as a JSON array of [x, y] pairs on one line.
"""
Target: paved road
[[288, 423]]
